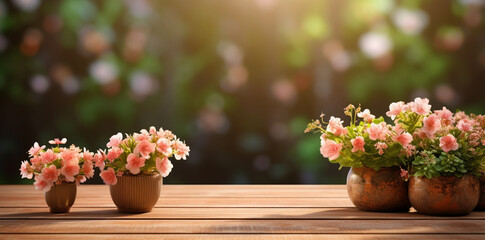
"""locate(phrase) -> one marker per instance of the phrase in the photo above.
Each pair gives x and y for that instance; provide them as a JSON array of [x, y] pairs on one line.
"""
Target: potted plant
[[133, 167], [377, 154], [57, 171], [447, 162]]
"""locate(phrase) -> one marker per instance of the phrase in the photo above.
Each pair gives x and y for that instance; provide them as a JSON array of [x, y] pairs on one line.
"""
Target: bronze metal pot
[[378, 191], [136, 194], [449, 196], [481, 200], [61, 197]]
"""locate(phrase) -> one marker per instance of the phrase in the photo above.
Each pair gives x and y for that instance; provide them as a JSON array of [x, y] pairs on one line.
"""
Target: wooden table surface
[[223, 212]]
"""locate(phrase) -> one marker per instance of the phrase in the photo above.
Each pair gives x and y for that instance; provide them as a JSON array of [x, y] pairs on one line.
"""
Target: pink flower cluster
[[146, 152], [57, 164]]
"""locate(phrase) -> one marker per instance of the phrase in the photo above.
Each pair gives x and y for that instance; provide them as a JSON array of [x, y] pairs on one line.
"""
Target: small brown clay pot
[[449, 196], [61, 197], [481, 200], [136, 194], [378, 191]]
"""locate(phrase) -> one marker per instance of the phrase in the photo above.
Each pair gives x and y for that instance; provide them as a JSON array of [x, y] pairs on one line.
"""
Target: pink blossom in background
[[464, 125], [50, 174], [366, 115], [41, 184], [114, 153], [431, 125], [378, 131], [163, 146], [109, 176], [448, 143], [35, 149], [144, 148], [420, 106], [181, 150], [48, 156], [164, 166], [403, 138], [395, 109], [380, 146], [134, 163], [445, 115], [335, 126], [69, 171], [25, 170], [57, 141], [330, 149], [115, 140], [358, 144]]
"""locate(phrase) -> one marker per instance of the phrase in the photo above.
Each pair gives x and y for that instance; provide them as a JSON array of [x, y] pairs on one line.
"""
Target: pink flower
[[366, 115], [108, 176], [48, 156], [464, 125], [144, 136], [404, 174], [50, 174], [448, 143], [335, 126], [69, 157], [431, 124], [99, 158], [358, 144], [87, 155], [35, 149], [380, 146], [41, 184], [144, 148], [69, 171], [445, 115], [134, 163], [153, 130], [57, 141], [163, 146], [409, 150], [395, 109], [331, 149], [164, 166], [420, 106], [114, 153], [88, 169], [403, 138], [26, 170], [181, 150], [115, 140], [378, 131]]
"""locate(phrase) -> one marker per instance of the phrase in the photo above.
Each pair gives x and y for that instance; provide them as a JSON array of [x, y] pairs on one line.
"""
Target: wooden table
[[223, 212]]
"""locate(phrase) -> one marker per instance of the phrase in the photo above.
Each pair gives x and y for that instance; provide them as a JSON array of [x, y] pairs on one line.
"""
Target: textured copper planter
[[449, 196], [136, 194], [61, 197], [481, 200], [378, 191]]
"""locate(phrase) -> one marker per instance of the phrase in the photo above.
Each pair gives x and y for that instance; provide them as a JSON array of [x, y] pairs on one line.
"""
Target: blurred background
[[237, 80]]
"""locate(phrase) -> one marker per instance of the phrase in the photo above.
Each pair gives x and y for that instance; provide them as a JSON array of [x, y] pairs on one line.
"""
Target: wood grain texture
[[224, 212]]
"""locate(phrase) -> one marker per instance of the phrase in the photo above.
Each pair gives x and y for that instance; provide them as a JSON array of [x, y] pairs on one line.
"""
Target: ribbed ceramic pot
[[481, 200], [61, 197], [448, 196], [136, 194], [378, 191]]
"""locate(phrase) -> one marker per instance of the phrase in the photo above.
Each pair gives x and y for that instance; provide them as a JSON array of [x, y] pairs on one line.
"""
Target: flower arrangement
[[446, 144], [57, 165], [370, 142], [147, 153]]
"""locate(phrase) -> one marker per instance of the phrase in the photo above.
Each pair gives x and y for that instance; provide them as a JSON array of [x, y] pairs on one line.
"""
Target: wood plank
[[456, 226], [242, 236], [223, 213], [190, 202], [188, 191]]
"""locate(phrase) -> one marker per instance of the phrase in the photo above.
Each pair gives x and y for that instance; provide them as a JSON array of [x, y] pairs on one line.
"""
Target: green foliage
[[434, 164]]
